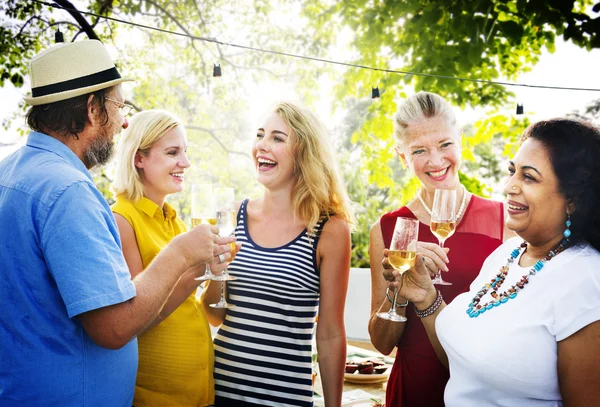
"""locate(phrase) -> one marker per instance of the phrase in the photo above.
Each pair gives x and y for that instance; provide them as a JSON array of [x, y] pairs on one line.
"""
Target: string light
[[520, 108], [375, 92], [327, 61], [58, 36], [216, 70]]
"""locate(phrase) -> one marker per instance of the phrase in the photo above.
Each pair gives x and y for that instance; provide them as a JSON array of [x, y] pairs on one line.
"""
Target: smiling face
[[162, 168], [431, 150], [537, 211], [273, 159]]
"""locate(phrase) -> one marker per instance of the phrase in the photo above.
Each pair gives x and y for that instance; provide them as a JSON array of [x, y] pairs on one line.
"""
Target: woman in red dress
[[429, 145]]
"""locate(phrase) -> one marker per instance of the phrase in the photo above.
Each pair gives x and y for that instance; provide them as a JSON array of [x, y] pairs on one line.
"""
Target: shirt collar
[[150, 208], [48, 143]]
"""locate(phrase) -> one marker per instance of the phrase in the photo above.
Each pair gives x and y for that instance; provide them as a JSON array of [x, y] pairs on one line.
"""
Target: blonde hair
[[419, 107], [144, 130], [319, 190]]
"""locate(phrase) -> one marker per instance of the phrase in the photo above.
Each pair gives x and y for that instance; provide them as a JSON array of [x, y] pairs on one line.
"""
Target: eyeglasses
[[124, 108]]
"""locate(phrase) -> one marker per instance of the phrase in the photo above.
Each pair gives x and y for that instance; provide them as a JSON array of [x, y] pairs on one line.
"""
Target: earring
[[567, 232]]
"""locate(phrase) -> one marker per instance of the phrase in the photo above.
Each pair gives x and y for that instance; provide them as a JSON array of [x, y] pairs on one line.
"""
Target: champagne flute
[[226, 222], [402, 255], [443, 222], [203, 212]]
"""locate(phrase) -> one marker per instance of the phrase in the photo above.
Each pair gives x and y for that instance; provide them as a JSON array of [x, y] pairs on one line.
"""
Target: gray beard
[[99, 152]]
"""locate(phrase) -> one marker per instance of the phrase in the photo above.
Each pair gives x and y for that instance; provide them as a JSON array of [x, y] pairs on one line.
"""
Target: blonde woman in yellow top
[[176, 353]]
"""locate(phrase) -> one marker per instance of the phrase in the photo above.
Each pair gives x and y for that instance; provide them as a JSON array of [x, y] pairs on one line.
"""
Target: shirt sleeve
[[81, 244], [577, 301]]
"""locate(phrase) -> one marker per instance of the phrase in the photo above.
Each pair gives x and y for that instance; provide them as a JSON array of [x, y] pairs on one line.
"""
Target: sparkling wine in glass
[[203, 212], [443, 222], [226, 222], [402, 256]]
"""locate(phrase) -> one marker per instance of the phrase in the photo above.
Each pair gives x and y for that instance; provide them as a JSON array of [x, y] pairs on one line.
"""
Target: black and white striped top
[[263, 349]]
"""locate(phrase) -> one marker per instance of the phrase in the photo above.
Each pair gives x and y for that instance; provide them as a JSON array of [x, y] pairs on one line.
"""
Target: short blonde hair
[[419, 107], [144, 130], [319, 190]]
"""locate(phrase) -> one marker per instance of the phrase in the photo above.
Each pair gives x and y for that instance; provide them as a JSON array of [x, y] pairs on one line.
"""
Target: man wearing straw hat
[[70, 311]]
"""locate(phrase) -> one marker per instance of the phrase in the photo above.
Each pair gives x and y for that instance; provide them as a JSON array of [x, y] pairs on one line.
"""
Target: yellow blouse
[[176, 357]]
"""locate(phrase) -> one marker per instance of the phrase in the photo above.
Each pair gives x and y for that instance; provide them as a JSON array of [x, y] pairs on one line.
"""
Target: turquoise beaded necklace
[[476, 307]]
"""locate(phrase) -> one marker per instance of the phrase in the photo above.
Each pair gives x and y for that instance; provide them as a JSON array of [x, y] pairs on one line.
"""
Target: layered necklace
[[461, 209], [476, 307]]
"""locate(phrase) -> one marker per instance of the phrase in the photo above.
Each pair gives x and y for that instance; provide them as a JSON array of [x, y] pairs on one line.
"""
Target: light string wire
[[323, 60]]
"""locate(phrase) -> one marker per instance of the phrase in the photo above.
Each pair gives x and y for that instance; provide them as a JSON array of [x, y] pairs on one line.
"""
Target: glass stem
[[393, 309], [438, 274]]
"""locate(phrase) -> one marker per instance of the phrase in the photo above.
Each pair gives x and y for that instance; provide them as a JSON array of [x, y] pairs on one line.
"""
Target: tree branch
[[214, 137], [83, 23]]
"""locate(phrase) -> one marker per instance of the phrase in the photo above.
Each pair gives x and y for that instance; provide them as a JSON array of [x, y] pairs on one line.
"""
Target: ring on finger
[[221, 258]]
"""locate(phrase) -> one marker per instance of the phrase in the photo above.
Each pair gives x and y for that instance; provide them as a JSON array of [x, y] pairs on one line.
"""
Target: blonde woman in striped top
[[295, 259]]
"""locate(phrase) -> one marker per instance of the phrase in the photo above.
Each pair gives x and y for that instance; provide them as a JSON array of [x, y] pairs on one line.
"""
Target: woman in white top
[[528, 333]]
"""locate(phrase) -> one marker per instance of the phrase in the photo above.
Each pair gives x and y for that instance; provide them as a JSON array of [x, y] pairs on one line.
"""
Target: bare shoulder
[[335, 237], [238, 205], [335, 226], [334, 246], [122, 223], [375, 228], [253, 207]]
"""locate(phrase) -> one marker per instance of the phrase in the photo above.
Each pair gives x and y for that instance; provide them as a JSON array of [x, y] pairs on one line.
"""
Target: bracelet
[[432, 308], [391, 299]]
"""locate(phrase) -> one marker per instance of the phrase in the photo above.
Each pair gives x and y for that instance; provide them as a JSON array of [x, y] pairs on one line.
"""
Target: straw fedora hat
[[66, 70]]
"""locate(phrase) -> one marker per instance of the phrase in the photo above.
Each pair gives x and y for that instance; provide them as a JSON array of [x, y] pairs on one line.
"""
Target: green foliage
[[590, 113], [479, 40], [177, 74], [473, 185]]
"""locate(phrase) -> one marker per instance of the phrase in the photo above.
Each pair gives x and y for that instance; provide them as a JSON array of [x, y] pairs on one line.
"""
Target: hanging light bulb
[[375, 92], [216, 70], [520, 108], [58, 36]]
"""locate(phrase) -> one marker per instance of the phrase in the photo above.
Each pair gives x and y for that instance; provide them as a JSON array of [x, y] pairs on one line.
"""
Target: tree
[[479, 41], [213, 109], [591, 112], [476, 40]]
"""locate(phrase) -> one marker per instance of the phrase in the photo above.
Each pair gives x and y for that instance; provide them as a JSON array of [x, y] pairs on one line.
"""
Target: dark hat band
[[77, 83]]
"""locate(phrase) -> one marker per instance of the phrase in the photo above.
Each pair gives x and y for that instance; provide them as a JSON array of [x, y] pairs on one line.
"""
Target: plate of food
[[368, 371]]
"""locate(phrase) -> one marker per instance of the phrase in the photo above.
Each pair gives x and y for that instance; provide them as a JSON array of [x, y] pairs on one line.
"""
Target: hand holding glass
[[443, 221], [402, 255], [226, 222], [203, 212]]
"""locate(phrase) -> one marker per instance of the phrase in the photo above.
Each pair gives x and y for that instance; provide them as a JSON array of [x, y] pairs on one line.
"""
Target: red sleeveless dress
[[418, 378]]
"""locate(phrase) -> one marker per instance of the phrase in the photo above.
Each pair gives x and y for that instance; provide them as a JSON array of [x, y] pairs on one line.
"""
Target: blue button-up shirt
[[60, 256]]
